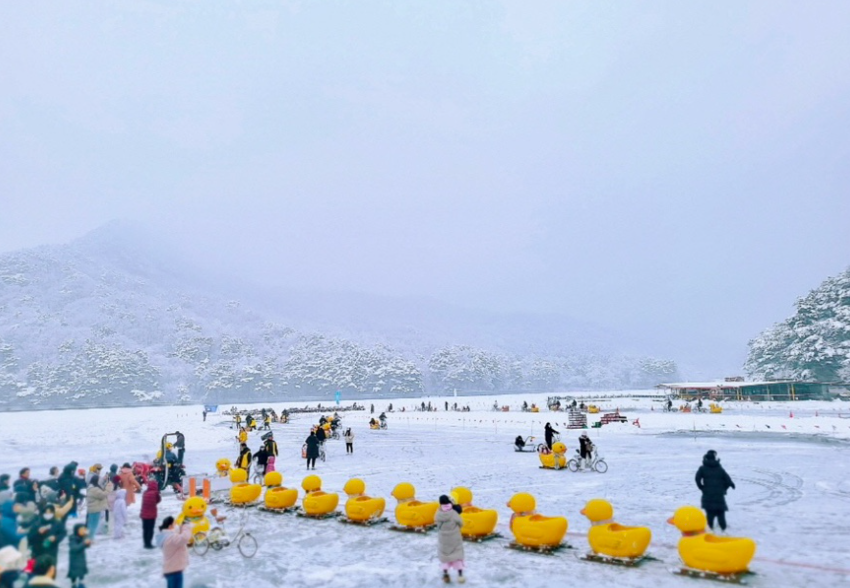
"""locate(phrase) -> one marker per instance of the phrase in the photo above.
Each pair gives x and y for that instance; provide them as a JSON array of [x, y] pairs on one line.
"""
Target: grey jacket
[[96, 499], [449, 540]]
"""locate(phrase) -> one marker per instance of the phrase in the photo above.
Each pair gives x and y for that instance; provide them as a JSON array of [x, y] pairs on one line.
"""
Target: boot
[[446, 578]]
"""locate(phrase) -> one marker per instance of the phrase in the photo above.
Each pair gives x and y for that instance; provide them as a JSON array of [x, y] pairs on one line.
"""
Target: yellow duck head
[[559, 448], [522, 502], [462, 496], [223, 466], [238, 475], [194, 507], [311, 483], [273, 480], [598, 510], [689, 520], [355, 487], [404, 492]]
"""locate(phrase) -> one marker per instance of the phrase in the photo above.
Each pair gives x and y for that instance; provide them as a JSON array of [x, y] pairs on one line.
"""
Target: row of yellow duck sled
[[610, 542]]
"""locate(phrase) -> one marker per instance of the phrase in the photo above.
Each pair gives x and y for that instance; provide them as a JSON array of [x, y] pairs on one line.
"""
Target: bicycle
[[217, 539], [595, 463]]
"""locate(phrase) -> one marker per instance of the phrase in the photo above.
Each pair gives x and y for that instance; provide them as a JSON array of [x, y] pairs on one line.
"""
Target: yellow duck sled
[[611, 542], [706, 555]]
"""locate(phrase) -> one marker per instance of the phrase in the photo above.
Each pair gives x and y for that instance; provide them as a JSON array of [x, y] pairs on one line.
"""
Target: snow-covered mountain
[[814, 344], [112, 318]]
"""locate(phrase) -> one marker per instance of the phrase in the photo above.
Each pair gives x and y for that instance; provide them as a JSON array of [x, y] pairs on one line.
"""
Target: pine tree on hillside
[[814, 344]]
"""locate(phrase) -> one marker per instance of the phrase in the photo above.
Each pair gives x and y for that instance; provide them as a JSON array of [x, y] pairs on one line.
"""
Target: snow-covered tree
[[813, 344]]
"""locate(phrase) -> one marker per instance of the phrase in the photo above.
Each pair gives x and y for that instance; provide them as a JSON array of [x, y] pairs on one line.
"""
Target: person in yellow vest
[[243, 436], [244, 459]]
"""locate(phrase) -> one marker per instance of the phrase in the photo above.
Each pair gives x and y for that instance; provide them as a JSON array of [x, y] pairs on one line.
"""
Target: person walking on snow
[[349, 440], [119, 514], [312, 443], [549, 433], [713, 482], [150, 499], [449, 539]]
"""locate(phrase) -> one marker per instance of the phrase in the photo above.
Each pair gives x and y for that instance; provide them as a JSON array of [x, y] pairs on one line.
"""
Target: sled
[[321, 517], [241, 504], [629, 562], [279, 511], [481, 538], [736, 578], [369, 523], [404, 529], [541, 549]]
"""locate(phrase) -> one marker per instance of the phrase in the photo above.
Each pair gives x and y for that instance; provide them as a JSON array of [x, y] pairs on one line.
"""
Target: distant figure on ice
[[205, 415], [519, 442], [549, 433], [713, 481]]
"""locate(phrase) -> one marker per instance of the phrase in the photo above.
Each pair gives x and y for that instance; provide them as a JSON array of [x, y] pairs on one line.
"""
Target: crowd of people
[[80, 507]]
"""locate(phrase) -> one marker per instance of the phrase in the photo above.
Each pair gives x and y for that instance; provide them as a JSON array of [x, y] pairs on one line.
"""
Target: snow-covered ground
[[792, 496]]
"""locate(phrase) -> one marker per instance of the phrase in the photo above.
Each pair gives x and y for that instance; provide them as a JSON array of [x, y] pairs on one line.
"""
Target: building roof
[[721, 384]]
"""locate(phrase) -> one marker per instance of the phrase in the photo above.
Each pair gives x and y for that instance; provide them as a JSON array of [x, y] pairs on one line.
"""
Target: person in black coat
[[46, 533], [321, 435], [71, 485], [548, 433], [312, 443], [262, 458], [78, 542], [713, 481]]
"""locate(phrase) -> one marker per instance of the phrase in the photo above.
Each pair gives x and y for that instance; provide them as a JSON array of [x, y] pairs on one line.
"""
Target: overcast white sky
[[680, 166]]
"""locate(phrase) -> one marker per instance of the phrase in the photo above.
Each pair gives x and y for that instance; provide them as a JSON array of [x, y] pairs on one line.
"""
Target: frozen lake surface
[[792, 496]]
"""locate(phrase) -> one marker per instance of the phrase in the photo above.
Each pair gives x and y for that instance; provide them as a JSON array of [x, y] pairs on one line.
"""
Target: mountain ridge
[[115, 317]]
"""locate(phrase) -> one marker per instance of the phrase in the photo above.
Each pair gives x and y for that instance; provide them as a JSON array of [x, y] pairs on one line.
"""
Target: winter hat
[[711, 454], [10, 558]]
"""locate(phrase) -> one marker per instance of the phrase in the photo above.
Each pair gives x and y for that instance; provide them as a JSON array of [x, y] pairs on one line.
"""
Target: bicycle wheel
[[573, 465], [600, 466], [247, 545], [200, 544]]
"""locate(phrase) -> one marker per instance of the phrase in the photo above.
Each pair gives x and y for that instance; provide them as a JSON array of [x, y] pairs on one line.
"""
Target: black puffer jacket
[[713, 480]]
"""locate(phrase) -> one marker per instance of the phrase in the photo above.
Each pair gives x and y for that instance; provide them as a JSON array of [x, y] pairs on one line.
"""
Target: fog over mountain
[[115, 317]]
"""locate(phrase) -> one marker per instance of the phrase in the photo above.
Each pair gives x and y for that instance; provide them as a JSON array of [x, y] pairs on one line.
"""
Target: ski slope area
[[792, 495]]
